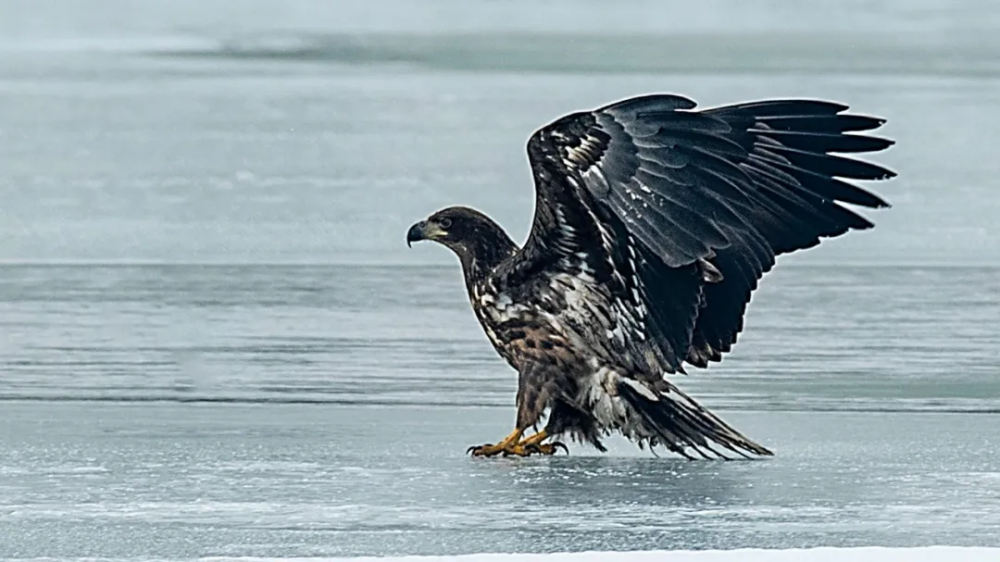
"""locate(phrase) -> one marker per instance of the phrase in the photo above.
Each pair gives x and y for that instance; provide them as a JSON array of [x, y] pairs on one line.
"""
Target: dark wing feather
[[645, 200], [790, 146]]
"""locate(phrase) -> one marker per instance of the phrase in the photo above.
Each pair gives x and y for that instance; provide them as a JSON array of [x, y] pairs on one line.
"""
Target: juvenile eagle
[[653, 224]]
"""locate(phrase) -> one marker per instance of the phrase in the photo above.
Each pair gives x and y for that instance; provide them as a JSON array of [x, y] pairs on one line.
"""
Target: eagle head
[[467, 232]]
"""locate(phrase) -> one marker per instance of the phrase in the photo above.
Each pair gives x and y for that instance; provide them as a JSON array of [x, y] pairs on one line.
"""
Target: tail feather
[[679, 423]]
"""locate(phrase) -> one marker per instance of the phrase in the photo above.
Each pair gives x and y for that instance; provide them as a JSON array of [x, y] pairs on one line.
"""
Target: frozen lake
[[141, 480], [216, 343], [324, 410]]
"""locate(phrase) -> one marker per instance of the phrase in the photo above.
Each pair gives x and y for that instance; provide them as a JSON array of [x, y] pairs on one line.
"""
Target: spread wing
[[655, 221]]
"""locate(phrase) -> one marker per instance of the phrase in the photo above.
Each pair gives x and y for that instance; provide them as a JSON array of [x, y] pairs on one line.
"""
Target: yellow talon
[[508, 443], [513, 445], [535, 439], [547, 449], [534, 444]]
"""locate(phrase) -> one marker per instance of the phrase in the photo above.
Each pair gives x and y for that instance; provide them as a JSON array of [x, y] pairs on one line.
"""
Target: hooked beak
[[423, 230]]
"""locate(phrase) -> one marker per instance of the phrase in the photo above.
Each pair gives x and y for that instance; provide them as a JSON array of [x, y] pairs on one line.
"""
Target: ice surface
[[864, 554]]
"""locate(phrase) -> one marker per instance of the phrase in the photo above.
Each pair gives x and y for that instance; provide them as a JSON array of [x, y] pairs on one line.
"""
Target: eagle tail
[[676, 421]]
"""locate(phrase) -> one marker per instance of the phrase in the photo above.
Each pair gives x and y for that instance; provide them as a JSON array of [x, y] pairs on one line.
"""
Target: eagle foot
[[506, 450], [517, 450], [512, 445], [547, 448]]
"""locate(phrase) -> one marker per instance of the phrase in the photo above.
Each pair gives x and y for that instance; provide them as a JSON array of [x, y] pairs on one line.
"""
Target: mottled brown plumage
[[653, 224]]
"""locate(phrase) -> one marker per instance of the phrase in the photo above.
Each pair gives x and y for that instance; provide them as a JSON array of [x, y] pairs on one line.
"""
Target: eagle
[[653, 223]]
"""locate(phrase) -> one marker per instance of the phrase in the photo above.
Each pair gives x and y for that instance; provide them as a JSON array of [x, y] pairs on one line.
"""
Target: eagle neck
[[478, 262], [482, 254]]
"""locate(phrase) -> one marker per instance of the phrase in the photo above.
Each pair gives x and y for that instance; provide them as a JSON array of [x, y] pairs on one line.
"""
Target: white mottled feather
[[599, 393]]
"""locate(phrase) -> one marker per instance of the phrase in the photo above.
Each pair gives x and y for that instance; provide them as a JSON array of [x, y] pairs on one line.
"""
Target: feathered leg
[[536, 385]]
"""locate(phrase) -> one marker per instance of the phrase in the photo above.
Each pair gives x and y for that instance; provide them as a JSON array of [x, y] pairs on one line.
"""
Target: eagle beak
[[423, 230]]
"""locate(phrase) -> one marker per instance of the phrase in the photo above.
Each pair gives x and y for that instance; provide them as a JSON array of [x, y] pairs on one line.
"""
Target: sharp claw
[[537, 448], [475, 449]]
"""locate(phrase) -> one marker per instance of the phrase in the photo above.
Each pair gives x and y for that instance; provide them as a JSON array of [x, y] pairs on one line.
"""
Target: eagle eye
[[444, 223]]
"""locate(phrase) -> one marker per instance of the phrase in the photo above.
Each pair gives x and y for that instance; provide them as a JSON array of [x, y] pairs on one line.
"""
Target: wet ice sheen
[[285, 480], [928, 554]]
